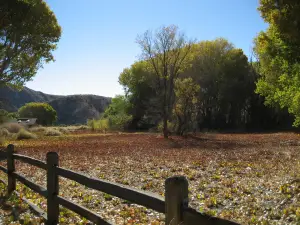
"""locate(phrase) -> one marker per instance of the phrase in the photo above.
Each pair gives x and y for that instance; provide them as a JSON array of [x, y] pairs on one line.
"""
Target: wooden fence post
[[52, 189], [176, 197], [10, 169]]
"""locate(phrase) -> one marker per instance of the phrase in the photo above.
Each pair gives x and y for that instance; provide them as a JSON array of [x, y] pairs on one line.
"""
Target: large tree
[[139, 86], [167, 51], [222, 71], [278, 52], [29, 33], [44, 112]]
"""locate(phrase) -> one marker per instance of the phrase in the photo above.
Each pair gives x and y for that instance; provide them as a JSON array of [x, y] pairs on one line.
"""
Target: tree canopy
[[44, 112], [29, 32], [216, 91], [167, 51], [278, 52]]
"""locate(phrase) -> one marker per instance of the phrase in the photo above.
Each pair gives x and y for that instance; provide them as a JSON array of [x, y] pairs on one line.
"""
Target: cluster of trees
[[115, 117], [213, 88], [44, 113]]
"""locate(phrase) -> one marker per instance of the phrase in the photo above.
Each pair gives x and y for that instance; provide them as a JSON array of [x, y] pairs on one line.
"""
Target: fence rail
[[174, 206]]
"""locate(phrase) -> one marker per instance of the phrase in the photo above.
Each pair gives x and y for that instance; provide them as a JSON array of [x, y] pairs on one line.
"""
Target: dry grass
[[247, 178], [12, 127], [24, 135], [52, 132]]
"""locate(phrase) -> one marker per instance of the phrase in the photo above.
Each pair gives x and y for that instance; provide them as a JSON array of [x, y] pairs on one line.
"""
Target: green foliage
[[279, 56], [171, 127], [13, 115], [6, 116], [3, 116], [29, 33], [99, 125], [24, 134], [117, 113], [167, 51], [139, 85], [220, 69], [44, 113], [186, 92]]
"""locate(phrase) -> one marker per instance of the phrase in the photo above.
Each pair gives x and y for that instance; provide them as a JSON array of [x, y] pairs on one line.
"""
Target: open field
[[247, 178]]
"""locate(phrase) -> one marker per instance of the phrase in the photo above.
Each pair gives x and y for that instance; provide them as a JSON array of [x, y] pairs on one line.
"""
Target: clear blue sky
[[98, 39]]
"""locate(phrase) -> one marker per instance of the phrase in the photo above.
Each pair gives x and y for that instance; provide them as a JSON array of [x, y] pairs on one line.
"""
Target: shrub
[[52, 132], [4, 132], [24, 134], [83, 127], [119, 122], [103, 125], [12, 127], [92, 124], [117, 113], [38, 129], [62, 130], [100, 125]]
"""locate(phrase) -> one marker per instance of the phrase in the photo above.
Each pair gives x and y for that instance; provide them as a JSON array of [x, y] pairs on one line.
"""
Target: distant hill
[[72, 109]]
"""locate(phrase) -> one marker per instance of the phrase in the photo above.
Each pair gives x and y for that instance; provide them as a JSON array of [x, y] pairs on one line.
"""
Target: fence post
[[10, 169], [176, 197], [52, 189]]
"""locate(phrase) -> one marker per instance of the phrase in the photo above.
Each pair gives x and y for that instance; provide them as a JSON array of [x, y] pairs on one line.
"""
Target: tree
[[44, 112], [6, 116], [222, 71], [3, 116], [167, 51], [139, 86], [278, 52], [117, 113], [29, 33], [186, 92]]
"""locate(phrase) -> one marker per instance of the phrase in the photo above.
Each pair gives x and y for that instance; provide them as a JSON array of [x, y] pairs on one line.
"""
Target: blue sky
[[98, 39]]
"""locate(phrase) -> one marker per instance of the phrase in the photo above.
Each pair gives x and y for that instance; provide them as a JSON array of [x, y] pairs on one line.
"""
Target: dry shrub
[[24, 134], [38, 129], [4, 132], [83, 127], [63, 130], [52, 132], [12, 127]]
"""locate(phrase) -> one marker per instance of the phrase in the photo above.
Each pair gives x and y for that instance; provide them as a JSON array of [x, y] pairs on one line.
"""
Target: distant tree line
[[216, 92]]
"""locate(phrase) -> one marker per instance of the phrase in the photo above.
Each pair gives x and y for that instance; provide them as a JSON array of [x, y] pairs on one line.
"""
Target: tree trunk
[[166, 132], [179, 127]]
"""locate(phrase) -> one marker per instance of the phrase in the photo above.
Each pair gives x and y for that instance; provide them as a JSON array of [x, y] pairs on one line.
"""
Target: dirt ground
[[247, 178]]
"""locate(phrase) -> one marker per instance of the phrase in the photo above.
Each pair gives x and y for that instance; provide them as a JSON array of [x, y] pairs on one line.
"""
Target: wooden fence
[[175, 206]]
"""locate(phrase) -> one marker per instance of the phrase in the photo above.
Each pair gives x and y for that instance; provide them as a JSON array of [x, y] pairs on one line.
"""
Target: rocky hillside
[[72, 109]]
